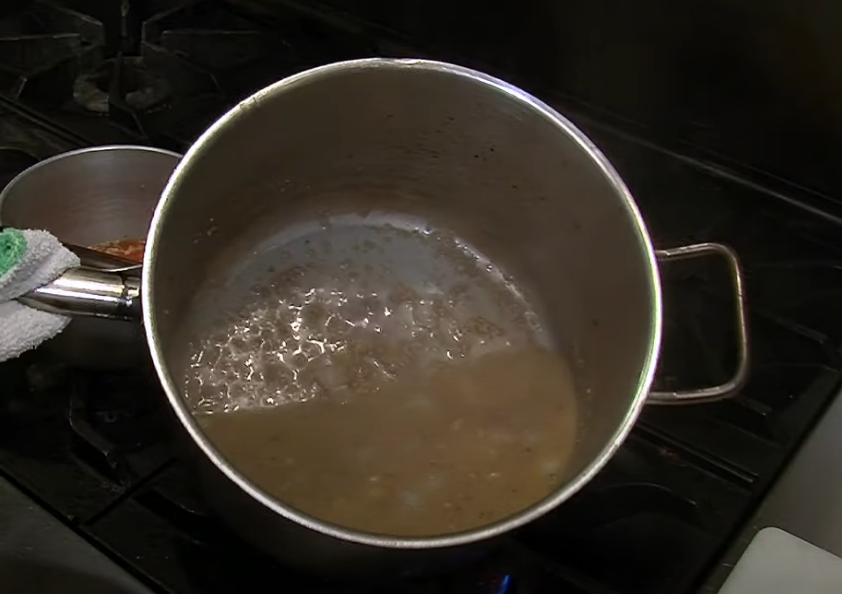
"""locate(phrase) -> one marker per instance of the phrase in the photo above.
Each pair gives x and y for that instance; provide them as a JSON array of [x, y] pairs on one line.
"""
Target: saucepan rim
[[186, 417]]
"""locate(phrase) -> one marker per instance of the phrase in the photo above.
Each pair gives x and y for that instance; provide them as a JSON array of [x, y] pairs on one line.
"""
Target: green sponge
[[12, 249]]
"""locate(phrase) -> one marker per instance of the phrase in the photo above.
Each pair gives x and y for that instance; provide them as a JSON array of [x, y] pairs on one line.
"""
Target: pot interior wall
[[90, 196]]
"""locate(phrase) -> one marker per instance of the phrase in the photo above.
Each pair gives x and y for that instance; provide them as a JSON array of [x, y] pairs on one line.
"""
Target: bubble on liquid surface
[[353, 319]]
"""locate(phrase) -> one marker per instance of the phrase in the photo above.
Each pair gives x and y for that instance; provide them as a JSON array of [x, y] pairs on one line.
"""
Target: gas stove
[[96, 449]]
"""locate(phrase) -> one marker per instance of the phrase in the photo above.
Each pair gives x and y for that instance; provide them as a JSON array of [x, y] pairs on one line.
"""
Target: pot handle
[[729, 388], [111, 294]]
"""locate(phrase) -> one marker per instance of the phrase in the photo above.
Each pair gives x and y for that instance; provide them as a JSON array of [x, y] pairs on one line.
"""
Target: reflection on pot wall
[[755, 81]]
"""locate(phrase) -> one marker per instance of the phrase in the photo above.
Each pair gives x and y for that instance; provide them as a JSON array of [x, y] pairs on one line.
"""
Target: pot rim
[[500, 527], [32, 169]]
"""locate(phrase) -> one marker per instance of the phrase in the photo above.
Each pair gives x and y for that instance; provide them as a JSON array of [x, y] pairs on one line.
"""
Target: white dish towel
[[28, 260]]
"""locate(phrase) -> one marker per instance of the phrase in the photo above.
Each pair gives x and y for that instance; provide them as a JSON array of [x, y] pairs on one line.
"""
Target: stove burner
[[115, 422], [36, 41], [496, 583], [155, 72], [128, 78]]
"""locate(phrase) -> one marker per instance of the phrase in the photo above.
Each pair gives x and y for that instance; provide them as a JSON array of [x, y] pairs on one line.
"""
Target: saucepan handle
[[729, 388], [104, 286], [90, 292]]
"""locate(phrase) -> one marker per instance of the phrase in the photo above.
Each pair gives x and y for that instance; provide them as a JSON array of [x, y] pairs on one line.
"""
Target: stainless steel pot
[[86, 197], [495, 165]]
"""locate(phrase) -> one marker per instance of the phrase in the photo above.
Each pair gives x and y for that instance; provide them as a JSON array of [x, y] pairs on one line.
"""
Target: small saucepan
[[340, 149], [91, 197]]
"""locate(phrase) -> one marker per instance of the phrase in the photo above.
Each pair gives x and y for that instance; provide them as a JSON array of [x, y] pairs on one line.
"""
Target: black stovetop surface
[[96, 448]]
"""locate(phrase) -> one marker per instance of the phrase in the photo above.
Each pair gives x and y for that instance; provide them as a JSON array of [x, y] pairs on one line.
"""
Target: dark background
[[754, 86]]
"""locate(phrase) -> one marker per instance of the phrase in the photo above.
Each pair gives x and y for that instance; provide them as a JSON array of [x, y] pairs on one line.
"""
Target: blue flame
[[504, 585]]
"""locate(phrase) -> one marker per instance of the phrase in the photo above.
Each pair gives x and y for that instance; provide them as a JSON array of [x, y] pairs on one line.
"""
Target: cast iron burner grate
[[117, 424], [156, 71]]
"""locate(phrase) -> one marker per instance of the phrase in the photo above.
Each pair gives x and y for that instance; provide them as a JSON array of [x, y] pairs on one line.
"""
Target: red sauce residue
[[130, 249]]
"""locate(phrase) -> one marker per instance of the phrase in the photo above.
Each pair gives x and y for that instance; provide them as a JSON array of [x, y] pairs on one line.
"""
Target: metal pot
[[494, 164], [86, 197]]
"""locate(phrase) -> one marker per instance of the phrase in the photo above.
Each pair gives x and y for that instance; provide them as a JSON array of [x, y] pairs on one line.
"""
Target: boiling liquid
[[425, 409]]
